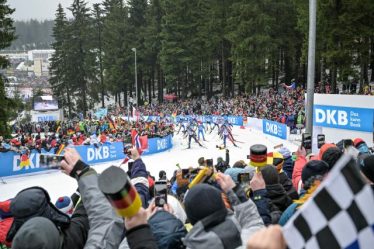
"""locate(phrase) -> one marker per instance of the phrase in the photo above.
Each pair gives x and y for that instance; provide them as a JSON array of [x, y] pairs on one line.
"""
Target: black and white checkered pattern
[[340, 214]]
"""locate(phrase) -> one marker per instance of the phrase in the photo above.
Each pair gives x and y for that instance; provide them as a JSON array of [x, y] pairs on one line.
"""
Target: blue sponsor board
[[346, 118], [274, 129], [153, 119], [104, 153], [102, 112], [156, 145], [46, 118], [10, 161]]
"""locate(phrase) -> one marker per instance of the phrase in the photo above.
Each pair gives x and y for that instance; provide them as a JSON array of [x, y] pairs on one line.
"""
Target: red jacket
[[296, 174]]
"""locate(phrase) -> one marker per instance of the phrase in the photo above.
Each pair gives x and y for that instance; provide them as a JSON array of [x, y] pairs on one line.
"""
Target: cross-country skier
[[219, 121], [201, 130], [191, 134], [225, 132]]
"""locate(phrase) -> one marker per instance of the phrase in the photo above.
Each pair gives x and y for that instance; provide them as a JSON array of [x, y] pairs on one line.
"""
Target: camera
[[320, 140], [306, 141], [50, 161], [209, 162], [161, 193], [127, 149], [244, 178]]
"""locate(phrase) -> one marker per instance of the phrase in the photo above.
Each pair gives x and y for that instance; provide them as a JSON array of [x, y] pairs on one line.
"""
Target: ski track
[[58, 184]]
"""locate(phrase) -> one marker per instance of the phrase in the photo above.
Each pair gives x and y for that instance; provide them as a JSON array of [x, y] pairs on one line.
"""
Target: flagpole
[[311, 66]]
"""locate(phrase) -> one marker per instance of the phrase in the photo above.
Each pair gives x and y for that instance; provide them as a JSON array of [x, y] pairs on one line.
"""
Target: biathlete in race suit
[[201, 130], [191, 134], [225, 133]]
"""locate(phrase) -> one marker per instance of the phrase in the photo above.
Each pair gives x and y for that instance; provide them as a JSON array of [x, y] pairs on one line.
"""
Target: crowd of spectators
[[221, 210], [50, 135]]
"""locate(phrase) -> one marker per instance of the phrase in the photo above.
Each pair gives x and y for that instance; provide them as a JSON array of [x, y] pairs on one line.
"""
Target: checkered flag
[[340, 214]]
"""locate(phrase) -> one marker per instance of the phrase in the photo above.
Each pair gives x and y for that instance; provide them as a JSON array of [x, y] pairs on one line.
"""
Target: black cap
[[367, 167], [202, 201], [313, 168]]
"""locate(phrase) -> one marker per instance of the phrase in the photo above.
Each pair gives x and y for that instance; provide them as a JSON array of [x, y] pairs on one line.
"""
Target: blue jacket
[[288, 166], [167, 230], [288, 213], [139, 178]]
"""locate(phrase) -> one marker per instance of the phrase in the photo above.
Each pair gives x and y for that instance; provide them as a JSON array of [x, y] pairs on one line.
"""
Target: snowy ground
[[59, 184]]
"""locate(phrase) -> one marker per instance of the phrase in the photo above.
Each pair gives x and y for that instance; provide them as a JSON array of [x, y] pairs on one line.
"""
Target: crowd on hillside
[[231, 205], [286, 107]]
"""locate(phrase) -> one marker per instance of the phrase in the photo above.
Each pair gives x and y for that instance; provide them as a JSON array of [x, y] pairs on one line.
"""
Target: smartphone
[[185, 173], [347, 143], [50, 161], [320, 140], [209, 162], [306, 141], [161, 193], [244, 178], [127, 149]]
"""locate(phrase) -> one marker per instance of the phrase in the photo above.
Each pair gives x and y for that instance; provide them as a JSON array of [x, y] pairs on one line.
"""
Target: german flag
[[117, 187], [25, 161]]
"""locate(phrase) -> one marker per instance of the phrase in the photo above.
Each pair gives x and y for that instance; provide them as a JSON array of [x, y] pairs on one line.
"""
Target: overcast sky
[[40, 9]]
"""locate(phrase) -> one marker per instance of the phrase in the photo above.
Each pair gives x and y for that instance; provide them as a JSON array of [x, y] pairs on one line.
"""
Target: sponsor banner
[[102, 112], [254, 123], [10, 162], [103, 153], [152, 118], [156, 145], [45, 116], [346, 118], [274, 129]]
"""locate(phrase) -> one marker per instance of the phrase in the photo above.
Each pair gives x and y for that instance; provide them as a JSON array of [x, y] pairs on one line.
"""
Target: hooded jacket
[[105, 227], [278, 196], [227, 231]]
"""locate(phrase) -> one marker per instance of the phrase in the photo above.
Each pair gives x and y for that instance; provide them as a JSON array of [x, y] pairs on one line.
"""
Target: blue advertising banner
[[346, 118], [156, 145], [274, 129], [10, 161], [102, 112], [104, 153]]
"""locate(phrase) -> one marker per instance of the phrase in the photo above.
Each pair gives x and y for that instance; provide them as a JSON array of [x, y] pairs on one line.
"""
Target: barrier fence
[[10, 161]]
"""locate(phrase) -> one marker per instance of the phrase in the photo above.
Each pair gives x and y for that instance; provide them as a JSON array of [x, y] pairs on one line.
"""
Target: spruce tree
[[7, 35], [58, 65]]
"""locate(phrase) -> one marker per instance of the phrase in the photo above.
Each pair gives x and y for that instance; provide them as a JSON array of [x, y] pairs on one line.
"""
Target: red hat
[[358, 141]]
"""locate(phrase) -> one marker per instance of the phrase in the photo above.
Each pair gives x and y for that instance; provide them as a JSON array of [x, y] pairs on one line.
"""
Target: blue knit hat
[[285, 152], [65, 204]]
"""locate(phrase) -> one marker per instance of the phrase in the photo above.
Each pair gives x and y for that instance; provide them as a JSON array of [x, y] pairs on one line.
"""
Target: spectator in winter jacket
[[331, 156], [270, 214], [214, 225], [367, 169], [314, 170], [276, 159], [223, 165], [138, 232], [94, 226], [288, 162], [139, 177], [275, 190]]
